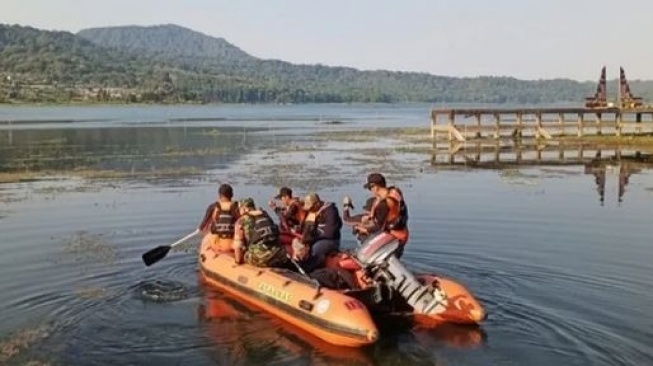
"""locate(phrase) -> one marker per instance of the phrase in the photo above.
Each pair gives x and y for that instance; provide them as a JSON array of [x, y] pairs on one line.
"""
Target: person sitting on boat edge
[[256, 238], [388, 214], [220, 219], [290, 212], [320, 233]]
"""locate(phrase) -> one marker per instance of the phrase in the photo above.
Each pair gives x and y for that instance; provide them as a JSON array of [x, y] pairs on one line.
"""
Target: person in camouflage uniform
[[256, 240]]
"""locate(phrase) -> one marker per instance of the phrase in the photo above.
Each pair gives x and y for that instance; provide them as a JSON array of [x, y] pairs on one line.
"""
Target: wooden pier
[[540, 123]]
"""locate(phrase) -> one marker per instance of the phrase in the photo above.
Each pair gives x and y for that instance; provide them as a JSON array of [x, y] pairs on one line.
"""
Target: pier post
[[452, 153], [618, 125], [497, 153], [519, 153], [520, 125], [497, 131], [478, 125], [581, 118], [561, 153], [561, 122], [598, 124], [538, 152], [451, 122], [538, 128]]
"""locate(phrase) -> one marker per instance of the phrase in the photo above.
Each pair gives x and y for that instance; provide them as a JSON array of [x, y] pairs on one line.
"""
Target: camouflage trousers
[[261, 255]]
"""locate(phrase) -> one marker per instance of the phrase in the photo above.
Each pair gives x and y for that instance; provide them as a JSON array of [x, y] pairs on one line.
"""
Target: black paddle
[[161, 251]]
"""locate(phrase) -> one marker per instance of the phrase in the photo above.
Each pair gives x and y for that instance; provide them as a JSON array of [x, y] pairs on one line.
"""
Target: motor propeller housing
[[377, 257]]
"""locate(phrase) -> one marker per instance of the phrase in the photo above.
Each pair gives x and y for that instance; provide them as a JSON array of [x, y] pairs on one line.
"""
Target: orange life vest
[[396, 222]]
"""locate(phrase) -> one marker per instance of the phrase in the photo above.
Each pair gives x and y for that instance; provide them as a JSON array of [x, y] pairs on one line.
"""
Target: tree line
[[171, 64]]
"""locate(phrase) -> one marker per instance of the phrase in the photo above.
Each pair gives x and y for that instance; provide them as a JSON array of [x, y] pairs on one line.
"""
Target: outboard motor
[[376, 255]]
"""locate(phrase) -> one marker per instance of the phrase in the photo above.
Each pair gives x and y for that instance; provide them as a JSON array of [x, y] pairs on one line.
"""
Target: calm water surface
[[562, 263]]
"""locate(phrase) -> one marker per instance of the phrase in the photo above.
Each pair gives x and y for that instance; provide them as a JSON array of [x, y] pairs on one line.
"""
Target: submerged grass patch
[[85, 247], [21, 341], [399, 133], [96, 174], [19, 177], [92, 293]]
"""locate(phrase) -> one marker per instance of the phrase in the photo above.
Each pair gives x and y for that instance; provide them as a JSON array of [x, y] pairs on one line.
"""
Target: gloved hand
[[347, 203]]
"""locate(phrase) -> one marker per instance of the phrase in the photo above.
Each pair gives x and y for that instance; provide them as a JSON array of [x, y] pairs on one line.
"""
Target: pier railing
[[540, 123]]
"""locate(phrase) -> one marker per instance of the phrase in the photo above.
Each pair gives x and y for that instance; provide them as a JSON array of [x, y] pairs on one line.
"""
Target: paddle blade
[[156, 254]]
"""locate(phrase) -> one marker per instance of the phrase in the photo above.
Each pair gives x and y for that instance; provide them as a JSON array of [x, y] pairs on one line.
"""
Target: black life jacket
[[223, 223], [264, 231]]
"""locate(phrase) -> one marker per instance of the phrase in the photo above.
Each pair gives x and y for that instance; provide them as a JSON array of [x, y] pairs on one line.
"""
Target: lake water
[[561, 256]]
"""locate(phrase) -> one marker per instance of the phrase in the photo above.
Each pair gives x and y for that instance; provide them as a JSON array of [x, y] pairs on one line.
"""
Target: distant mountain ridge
[[168, 38], [170, 63]]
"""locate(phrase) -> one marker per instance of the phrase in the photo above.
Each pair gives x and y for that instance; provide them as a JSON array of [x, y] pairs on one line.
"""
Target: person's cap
[[247, 202], [374, 178], [310, 200], [284, 192], [369, 203]]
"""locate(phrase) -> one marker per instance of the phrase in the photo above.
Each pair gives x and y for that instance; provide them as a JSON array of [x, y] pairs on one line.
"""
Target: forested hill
[[170, 40], [32, 56], [169, 63]]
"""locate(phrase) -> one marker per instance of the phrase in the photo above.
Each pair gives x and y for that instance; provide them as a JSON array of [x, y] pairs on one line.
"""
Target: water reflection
[[243, 334], [131, 149], [600, 161], [627, 165]]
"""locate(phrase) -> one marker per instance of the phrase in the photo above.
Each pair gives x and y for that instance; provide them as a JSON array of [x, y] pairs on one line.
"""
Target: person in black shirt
[[321, 232]]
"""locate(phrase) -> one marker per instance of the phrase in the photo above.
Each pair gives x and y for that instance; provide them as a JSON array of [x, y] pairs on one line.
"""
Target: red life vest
[[300, 214]]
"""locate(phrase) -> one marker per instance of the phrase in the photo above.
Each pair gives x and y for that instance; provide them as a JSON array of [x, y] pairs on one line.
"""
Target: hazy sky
[[523, 38]]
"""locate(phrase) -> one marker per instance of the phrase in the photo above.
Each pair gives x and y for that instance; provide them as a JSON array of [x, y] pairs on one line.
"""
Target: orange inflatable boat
[[430, 299], [328, 314]]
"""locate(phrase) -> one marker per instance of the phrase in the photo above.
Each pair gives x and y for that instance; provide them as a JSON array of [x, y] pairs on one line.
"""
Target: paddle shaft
[[197, 231], [301, 270]]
